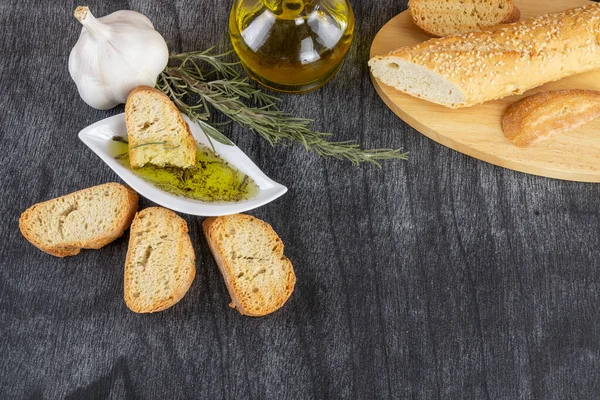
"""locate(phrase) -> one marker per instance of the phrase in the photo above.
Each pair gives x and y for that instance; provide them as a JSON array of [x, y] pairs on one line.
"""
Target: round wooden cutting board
[[476, 131]]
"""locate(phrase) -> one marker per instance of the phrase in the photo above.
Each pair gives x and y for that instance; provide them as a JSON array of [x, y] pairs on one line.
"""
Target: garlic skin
[[114, 55]]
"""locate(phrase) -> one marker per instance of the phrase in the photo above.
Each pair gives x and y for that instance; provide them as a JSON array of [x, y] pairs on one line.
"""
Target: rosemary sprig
[[201, 80], [120, 139]]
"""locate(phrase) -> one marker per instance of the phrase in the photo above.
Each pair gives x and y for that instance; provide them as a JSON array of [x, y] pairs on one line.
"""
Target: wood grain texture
[[477, 130], [442, 277]]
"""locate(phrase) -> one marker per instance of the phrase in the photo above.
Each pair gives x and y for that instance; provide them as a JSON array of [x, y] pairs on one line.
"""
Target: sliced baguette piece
[[461, 71], [538, 117], [456, 17], [156, 131], [160, 265], [259, 278], [87, 219]]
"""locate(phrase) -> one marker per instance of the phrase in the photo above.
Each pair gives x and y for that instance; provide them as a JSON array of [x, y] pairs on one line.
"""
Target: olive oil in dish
[[291, 45], [212, 179]]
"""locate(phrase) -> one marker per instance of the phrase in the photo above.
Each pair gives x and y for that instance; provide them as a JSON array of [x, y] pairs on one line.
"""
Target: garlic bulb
[[114, 55]]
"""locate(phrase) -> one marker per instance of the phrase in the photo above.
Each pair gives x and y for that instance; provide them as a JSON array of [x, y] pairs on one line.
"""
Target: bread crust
[[538, 117], [180, 290], [149, 91], [129, 206], [212, 227], [509, 59], [513, 16]]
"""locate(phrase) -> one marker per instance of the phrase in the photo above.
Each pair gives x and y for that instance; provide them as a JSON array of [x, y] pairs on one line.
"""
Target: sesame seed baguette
[[87, 219], [462, 71], [538, 117]]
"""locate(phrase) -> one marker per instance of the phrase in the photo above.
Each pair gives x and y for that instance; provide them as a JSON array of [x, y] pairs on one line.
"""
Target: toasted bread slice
[[538, 117], [160, 264], [157, 132], [249, 254], [87, 219], [455, 17]]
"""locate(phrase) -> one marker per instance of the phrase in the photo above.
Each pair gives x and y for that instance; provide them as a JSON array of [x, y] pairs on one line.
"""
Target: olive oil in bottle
[[212, 179], [291, 45]]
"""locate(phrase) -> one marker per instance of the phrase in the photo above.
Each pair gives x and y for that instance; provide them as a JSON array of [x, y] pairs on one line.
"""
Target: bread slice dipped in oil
[[156, 131]]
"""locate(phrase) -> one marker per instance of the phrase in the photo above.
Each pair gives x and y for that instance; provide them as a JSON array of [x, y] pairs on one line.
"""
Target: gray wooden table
[[437, 278]]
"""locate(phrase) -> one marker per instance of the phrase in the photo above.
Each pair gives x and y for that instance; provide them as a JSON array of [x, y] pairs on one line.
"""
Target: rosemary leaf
[[147, 144], [214, 133]]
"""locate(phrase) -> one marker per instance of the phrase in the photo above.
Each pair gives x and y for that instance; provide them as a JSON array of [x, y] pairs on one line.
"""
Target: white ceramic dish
[[98, 138]]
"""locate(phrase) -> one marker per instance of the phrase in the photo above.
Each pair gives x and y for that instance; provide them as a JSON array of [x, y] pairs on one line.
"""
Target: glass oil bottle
[[291, 45]]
